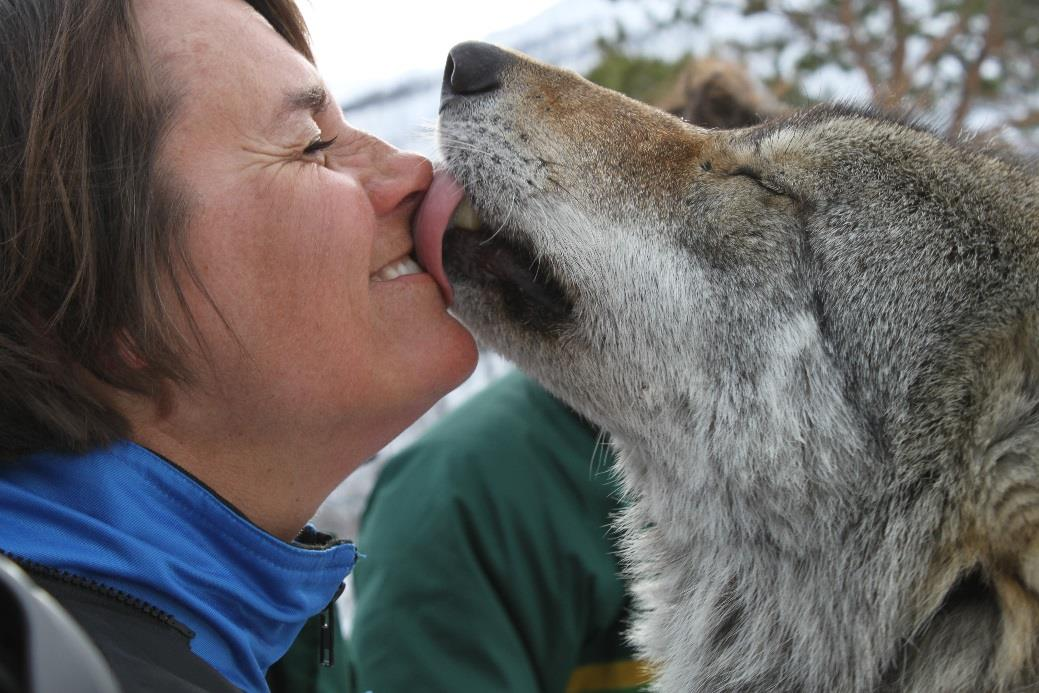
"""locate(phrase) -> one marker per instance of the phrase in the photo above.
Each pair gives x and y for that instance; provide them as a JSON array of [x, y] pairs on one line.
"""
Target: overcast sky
[[360, 43]]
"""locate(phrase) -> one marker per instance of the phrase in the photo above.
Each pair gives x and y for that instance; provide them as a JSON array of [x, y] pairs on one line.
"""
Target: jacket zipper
[[327, 623], [34, 568]]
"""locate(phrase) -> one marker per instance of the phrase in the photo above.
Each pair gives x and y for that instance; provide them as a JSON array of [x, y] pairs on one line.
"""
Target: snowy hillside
[[404, 113]]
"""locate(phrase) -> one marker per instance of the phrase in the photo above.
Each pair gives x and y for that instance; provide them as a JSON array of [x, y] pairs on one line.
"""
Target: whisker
[[600, 452], [461, 145], [508, 216], [562, 187]]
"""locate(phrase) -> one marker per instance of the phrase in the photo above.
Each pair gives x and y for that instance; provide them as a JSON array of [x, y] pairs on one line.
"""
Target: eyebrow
[[314, 99]]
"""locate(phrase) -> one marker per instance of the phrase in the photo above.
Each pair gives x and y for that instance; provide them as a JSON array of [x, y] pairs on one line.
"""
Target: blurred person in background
[[208, 318], [490, 563]]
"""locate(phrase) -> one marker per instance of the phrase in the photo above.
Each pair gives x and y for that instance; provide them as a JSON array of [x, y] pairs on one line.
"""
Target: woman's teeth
[[397, 269], [464, 217]]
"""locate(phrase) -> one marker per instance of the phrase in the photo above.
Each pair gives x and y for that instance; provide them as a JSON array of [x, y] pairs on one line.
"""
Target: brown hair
[[89, 223]]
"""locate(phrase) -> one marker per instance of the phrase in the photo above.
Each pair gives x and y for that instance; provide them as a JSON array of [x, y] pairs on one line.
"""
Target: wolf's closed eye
[[756, 177]]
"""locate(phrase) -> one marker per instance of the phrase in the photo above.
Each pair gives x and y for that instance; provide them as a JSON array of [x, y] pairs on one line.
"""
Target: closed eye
[[756, 177], [319, 145]]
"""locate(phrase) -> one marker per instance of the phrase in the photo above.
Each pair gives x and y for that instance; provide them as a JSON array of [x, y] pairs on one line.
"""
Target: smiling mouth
[[398, 268]]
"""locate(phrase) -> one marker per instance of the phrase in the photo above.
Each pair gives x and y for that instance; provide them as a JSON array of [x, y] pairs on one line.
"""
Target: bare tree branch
[[859, 49], [803, 21], [992, 45], [899, 84], [1028, 120], [940, 44]]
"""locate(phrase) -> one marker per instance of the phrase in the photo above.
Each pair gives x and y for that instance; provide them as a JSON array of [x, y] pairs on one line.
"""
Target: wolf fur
[[814, 343]]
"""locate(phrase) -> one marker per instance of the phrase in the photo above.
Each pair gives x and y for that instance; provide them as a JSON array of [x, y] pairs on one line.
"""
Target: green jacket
[[490, 565]]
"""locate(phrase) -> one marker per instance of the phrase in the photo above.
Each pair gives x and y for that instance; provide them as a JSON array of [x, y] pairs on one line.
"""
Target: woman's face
[[298, 240]]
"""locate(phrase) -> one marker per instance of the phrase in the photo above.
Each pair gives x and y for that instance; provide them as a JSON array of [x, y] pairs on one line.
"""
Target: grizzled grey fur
[[815, 343]]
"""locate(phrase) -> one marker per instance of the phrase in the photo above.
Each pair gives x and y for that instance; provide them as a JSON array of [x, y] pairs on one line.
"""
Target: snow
[[403, 112], [362, 45]]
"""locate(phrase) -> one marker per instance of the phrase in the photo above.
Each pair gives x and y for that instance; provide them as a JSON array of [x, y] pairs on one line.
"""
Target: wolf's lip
[[431, 221]]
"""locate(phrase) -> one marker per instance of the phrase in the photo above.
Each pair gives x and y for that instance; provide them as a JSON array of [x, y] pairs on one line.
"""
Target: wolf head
[[815, 341]]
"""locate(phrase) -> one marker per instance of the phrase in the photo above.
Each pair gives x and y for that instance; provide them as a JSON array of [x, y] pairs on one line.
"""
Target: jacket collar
[[128, 519]]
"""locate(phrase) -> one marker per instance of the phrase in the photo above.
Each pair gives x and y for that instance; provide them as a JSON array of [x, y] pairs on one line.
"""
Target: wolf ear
[[1010, 502], [1005, 482], [719, 94], [1007, 460]]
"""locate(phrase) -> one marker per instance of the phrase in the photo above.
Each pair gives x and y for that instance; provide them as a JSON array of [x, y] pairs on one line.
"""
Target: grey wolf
[[814, 343]]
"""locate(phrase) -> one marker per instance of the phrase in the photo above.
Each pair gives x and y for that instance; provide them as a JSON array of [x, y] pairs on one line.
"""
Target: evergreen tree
[[969, 63]]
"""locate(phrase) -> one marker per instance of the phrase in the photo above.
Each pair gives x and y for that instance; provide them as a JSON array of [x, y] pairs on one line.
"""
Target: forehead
[[220, 55]]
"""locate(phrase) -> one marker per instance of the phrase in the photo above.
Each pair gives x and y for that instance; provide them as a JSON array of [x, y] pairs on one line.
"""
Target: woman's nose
[[399, 175]]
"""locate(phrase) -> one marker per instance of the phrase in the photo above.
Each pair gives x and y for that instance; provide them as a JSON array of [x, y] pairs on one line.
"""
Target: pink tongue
[[440, 202]]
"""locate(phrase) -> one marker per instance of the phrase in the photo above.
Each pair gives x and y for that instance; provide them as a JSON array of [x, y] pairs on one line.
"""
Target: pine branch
[[940, 44]]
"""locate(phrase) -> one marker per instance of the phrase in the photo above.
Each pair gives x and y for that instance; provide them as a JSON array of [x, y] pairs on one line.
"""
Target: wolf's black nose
[[472, 68]]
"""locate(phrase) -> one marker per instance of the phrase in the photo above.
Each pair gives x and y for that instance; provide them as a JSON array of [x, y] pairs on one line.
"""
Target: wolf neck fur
[[766, 547]]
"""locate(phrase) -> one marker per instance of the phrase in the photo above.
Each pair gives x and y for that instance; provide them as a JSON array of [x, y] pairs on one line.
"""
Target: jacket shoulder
[[144, 651], [41, 647]]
